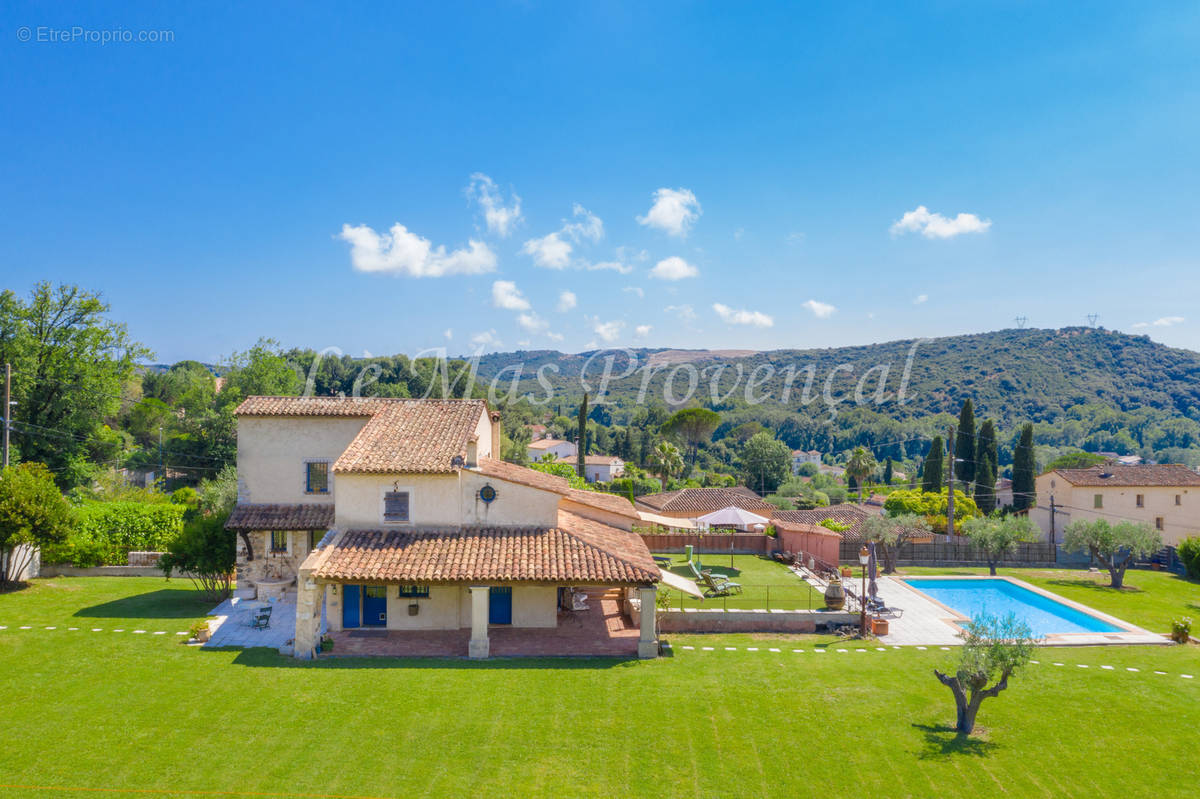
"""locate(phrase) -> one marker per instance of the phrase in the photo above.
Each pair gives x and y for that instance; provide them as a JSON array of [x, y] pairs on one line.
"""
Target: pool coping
[[1130, 633]]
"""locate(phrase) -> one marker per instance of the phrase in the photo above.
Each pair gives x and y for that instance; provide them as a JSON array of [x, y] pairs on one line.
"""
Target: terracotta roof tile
[[705, 500], [853, 515], [503, 470], [1167, 474], [577, 551], [310, 406], [303, 516], [412, 436]]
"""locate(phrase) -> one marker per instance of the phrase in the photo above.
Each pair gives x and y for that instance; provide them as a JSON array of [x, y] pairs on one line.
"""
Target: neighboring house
[[844, 514], [1129, 460], [1004, 493], [598, 467], [394, 514], [802, 456], [551, 446], [1166, 497], [832, 471], [691, 503], [537, 431]]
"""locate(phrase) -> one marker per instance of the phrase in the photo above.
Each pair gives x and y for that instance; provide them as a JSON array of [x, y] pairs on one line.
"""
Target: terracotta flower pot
[[879, 626]]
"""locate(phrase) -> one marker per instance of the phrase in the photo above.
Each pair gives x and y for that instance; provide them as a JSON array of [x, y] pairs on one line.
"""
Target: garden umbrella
[[872, 589]]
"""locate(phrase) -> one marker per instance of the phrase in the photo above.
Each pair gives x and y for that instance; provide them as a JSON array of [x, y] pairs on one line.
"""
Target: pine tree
[[1024, 469], [582, 443], [887, 472], [934, 463], [964, 446]]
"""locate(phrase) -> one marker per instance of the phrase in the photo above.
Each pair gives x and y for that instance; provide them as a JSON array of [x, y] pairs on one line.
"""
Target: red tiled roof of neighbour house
[[1167, 474], [853, 515], [705, 500], [310, 406], [576, 551], [412, 436], [302, 516]]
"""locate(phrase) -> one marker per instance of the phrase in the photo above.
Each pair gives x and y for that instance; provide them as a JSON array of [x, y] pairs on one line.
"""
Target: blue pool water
[[1000, 597]]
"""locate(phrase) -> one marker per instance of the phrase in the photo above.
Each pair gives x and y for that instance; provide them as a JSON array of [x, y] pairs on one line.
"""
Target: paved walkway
[[231, 627]]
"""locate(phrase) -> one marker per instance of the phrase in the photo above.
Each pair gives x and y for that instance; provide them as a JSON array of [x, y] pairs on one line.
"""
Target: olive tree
[[1114, 546], [993, 649], [996, 536], [891, 532]]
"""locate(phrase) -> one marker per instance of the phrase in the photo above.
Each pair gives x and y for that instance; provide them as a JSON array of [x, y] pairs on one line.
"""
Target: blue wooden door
[[350, 606], [374, 604], [500, 605]]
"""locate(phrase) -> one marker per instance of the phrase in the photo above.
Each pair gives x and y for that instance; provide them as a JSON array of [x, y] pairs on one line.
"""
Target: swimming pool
[[998, 597]]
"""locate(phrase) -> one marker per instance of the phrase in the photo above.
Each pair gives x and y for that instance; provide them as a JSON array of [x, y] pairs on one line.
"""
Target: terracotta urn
[[835, 595]]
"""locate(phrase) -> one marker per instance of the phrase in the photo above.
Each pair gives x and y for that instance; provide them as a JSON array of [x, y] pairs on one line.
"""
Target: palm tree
[[665, 460], [860, 466]]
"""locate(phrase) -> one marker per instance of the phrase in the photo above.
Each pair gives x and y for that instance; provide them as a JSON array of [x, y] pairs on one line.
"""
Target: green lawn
[[765, 584], [92, 710], [1148, 599]]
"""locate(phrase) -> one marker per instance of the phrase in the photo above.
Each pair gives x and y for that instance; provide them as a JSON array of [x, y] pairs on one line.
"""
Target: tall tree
[[693, 426], [887, 472], [860, 466], [33, 514], [581, 438], [985, 450], [964, 446], [934, 462], [70, 363], [985, 487], [665, 461], [1024, 471], [765, 463]]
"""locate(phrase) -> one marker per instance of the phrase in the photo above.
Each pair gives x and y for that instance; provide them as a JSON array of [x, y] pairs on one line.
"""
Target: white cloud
[[555, 336], [673, 268], [1166, 321], [685, 312], [532, 322], [821, 310], [608, 331], [501, 219], [549, 251], [506, 295], [486, 338], [674, 211], [566, 301], [641, 331], [401, 252], [590, 227], [523, 343], [796, 237], [920, 299], [936, 226], [634, 290], [616, 266], [449, 333], [743, 317]]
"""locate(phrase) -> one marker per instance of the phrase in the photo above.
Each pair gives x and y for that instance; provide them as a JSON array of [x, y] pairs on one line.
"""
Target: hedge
[[1189, 552], [104, 533]]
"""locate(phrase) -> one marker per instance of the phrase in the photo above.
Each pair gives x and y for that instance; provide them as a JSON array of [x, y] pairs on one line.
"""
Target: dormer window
[[316, 477]]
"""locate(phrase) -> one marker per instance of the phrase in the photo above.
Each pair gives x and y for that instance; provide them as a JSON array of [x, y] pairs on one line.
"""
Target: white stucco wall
[[272, 451], [442, 499]]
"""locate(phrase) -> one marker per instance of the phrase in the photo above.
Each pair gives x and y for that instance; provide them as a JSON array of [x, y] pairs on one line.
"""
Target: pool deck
[[927, 622]]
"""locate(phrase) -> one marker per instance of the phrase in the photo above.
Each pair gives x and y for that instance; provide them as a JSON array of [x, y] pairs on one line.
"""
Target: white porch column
[[478, 648], [648, 639]]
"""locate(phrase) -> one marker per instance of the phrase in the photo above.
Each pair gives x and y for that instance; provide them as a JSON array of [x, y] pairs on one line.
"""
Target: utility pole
[[7, 408], [161, 474], [950, 494], [1053, 538]]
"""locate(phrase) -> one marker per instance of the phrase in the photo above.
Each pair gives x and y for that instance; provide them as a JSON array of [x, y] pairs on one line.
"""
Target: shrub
[[1189, 552], [205, 552], [104, 533], [1181, 630], [835, 526], [564, 470]]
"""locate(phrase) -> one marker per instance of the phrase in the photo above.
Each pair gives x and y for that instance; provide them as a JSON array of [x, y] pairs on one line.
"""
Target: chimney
[[496, 446]]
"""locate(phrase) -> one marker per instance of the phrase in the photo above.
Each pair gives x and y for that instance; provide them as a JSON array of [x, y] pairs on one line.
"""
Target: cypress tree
[[1024, 468], [964, 446], [887, 472], [931, 483], [985, 487], [582, 443], [985, 450]]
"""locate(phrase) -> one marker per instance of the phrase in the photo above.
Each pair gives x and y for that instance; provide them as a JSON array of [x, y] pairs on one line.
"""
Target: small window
[[316, 477], [413, 592], [314, 538], [395, 506], [279, 541], [1178, 499], [1141, 500], [1098, 501], [375, 591], [1158, 522]]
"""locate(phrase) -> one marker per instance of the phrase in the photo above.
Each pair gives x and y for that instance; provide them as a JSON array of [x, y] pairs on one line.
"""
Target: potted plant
[[326, 643], [879, 626], [199, 632], [847, 571], [1181, 630]]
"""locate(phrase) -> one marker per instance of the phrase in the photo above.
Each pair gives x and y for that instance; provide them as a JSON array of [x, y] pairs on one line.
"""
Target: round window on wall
[[487, 493]]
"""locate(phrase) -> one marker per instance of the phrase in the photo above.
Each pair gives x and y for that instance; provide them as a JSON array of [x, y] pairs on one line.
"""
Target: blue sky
[[749, 168]]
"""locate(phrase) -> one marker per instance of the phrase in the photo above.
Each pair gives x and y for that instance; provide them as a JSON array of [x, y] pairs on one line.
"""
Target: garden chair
[[262, 619], [717, 585]]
